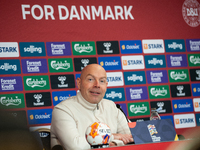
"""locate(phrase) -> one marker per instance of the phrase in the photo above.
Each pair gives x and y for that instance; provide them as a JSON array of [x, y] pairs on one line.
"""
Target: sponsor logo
[[180, 90], [115, 79], [153, 132], [34, 66], [193, 45], [10, 67], [36, 82], [39, 116], [9, 49], [138, 109], [153, 46], [136, 77], [80, 63], [38, 99], [196, 103], [196, 89], [178, 75], [110, 63], [62, 81], [132, 62], [157, 76], [32, 49], [184, 121], [58, 48], [131, 47], [177, 60], [83, 48], [107, 47], [115, 94], [59, 96], [174, 46], [183, 105], [195, 74], [155, 61], [136, 93], [60, 65], [8, 84], [10, 101], [197, 119], [164, 106], [157, 92], [190, 12], [194, 60]]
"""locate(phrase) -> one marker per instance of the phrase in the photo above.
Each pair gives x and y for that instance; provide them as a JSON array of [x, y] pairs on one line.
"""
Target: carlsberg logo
[[35, 82], [158, 92], [10, 101], [178, 75], [83, 48], [195, 60], [138, 109], [60, 65]]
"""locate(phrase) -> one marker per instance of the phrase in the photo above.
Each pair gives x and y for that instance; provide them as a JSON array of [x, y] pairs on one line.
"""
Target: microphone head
[[98, 134]]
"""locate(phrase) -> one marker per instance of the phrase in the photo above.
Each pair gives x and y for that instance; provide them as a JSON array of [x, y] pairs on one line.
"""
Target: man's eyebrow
[[94, 76]]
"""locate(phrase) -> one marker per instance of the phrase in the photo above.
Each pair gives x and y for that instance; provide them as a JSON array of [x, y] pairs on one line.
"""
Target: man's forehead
[[95, 76]]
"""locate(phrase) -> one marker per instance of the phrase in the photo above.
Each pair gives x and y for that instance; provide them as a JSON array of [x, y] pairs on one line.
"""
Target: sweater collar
[[85, 103]]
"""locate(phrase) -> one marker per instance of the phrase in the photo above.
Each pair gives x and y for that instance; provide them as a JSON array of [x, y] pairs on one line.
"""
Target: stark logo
[[191, 12]]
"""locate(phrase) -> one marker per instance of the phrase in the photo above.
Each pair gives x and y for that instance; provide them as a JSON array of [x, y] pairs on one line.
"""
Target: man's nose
[[96, 83]]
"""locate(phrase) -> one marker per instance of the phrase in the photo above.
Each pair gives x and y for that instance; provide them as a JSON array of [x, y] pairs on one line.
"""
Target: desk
[[189, 144]]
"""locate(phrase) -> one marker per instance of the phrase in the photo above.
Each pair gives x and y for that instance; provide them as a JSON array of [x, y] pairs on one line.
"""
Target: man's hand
[[126, 138]]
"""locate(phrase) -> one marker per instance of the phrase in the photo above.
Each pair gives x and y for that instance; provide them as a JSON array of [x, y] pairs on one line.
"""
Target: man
[[71, 117]]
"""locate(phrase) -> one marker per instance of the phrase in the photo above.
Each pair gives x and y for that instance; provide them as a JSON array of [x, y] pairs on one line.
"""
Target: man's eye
[[90, 79]]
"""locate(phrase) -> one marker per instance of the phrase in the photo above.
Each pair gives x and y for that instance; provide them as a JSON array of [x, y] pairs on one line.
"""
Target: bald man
[[71, 117]]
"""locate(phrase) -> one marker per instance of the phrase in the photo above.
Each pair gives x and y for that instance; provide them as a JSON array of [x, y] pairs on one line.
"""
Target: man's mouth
[[94, 92]]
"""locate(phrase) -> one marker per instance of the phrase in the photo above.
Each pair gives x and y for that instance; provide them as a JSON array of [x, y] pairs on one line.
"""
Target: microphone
[[119, 107]]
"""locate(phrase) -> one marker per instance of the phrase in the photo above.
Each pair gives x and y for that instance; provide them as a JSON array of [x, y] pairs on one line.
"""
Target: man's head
[[93, 83]]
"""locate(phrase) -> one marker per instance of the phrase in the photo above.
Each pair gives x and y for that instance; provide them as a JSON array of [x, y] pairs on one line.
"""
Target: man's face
[[93, 83]]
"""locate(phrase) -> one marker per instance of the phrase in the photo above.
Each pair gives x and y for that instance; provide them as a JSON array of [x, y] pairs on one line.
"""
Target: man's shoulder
[[108, 102], [67, 102]]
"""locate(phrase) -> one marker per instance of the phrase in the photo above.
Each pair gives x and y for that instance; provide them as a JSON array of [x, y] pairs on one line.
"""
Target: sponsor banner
[[178, 60], [157, 76], [136, 93], [193, 45], [153, 46], [18, 115], [139, 119], [107, 47], [132, 62], [196, 103], [80, 63], [60, 65], [34, 65], [115, 94], [9, 84], [164, 106], [180, 75], [182, 105], [194, 60], [58, 48], [195, 74], [196, 89], [41, 99], [110, 63], [131, 47], [157, 92], [11, 101], [62, 81], [30, 49], [155, 61], [197, 119], [115, 79], [138, 109], [184, 121], [9, 49], [175, 45], [36, 82], [39, 116], [168, 117], [180, 90], [59, 96], [124, 108], [11, 66], [83, 48], [136, 77]]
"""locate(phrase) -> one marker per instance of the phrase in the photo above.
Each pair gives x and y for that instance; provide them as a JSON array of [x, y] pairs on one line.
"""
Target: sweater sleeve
[[64, 131]]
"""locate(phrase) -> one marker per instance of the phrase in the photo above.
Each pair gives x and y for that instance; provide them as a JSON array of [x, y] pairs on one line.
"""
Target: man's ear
[[78, 82]]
